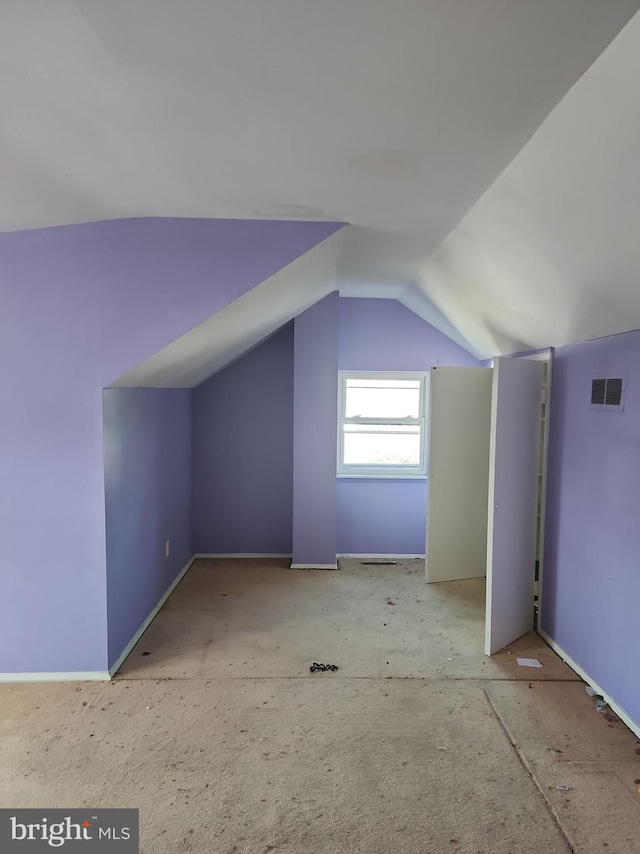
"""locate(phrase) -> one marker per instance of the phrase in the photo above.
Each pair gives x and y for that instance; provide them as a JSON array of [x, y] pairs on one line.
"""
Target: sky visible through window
[[384, 400]]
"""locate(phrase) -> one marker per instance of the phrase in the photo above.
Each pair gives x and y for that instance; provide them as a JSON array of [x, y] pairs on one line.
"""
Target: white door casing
[[458, 473]]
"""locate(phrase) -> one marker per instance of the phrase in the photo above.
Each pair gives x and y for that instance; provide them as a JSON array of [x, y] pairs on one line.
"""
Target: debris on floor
[[563, 788], [146, 653], [528, 662], [390, 602], [601, 704], [378, 563], [315, 666]]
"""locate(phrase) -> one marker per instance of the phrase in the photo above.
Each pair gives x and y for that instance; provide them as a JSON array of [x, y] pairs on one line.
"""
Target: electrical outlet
[[167, 548]]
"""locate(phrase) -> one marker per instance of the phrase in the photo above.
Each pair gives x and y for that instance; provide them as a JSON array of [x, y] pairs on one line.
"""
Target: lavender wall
[[591, 585], [244, 471], [147, 468], [80, 305], [387, 516], [381, 516], [243, 452], [315, 413]]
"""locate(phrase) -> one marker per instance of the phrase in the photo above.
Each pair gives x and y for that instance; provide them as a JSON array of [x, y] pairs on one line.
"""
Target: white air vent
[[607, 393]]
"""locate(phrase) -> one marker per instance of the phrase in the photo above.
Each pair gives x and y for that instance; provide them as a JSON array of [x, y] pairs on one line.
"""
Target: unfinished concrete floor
[[418, 743]]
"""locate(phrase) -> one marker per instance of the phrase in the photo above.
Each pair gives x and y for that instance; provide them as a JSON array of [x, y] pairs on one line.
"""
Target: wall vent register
[[607, 393]]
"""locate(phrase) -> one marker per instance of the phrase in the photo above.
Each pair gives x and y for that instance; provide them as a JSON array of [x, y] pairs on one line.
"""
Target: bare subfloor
[[418, 743]]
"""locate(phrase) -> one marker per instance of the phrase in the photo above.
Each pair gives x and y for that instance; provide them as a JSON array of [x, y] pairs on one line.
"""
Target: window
[[381, 428]]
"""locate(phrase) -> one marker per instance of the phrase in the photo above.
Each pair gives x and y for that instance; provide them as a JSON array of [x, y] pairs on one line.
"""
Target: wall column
[[315, 415]]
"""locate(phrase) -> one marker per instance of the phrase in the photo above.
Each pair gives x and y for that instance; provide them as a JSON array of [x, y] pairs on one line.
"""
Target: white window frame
[[381, 470]]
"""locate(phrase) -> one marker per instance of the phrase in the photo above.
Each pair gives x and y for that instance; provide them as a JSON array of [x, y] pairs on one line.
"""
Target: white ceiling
[[393, 116], [551, 253]]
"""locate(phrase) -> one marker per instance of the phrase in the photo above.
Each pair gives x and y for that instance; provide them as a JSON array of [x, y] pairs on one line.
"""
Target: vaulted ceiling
[[478, 192]]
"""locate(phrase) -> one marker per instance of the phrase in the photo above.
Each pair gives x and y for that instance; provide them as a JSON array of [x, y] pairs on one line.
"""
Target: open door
[[513, 499], [458, 473]]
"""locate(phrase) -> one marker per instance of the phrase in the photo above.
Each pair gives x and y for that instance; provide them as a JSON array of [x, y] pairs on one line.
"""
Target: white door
[[458, 473], [513, 497]]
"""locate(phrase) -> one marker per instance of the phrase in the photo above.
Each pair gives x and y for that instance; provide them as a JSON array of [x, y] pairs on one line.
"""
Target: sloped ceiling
[[394, 117], [551, 253], [247, 321]]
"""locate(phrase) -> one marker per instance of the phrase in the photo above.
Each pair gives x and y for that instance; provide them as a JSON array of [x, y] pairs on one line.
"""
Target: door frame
[[545, 355], [477, 385]]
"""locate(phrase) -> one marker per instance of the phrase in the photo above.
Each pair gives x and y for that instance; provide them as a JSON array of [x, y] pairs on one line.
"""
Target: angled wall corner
[[81, 306], [416, 300], [246, 321]]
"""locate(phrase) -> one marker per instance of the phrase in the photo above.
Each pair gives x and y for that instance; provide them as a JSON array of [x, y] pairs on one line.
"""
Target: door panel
[[458, 473], [513, 486]]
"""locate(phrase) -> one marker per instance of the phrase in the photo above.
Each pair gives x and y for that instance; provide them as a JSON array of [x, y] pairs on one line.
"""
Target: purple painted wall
[[371, 516], [384, 335], [591, 585], [315, 413], [80, 305], [147, 468], [243, 452], [381, 516], [387, 516]]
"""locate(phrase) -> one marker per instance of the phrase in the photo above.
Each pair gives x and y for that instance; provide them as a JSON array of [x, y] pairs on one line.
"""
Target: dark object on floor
[[315, 666], [378, 563], [146, 653]]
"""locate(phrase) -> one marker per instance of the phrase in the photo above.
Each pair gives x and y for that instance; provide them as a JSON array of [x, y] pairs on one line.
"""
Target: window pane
[[382, 398], [379, 446]]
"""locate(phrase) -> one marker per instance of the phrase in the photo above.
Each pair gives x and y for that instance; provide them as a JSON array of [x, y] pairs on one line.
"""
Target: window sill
[[381, 476]]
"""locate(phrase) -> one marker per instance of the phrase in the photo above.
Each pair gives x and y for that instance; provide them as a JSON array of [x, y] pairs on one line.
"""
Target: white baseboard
[[134, 640], [313, 566], [620, 712], [78, 676], [214, 555], [98, 675], [381, 556]]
